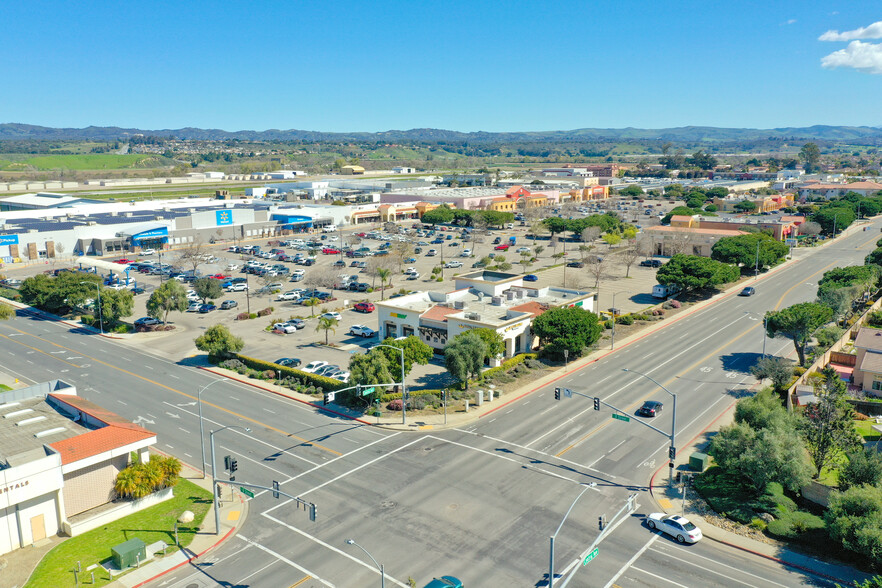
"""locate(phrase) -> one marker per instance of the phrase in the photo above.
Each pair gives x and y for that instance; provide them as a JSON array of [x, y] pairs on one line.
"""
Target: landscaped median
[[153, 524]]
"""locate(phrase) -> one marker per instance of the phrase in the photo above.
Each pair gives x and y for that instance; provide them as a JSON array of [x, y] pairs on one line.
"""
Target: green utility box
[[129, 553], [698, 462]]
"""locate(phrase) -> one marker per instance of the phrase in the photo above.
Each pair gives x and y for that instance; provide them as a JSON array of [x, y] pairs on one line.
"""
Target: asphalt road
[[479, 502]]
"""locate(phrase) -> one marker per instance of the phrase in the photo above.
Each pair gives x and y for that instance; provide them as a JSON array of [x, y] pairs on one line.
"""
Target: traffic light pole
[[672, 450]]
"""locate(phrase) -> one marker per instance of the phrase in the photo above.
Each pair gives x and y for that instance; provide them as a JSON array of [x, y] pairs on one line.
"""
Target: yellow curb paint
[[664, 503]]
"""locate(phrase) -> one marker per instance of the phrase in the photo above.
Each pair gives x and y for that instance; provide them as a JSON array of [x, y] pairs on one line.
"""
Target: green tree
[[612, 239], [6, 312], [633, 191], [219, 342], [464, 357], [777, 369], [702, 160], [811, 157], [864, 276], [555, 225], [798, 323], [745, 250], [678, 211], [383, 273], [441, 215], [828, 425], [116, 304], [326, 324], [854, 519], [834, 218], [58, 295], [538, 249], [493, 341], [171, 295], [208, 289], [694, 272], [311, 303], [415, 351], [495, 218], [526, 260], [864, 467], [571, 329], [745, 206], [367, 369]]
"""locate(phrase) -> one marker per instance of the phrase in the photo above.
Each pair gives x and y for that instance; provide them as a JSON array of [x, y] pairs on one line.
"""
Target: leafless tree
[[590, 234], [377, 263], [598, 268], [401, 250], [678, 243], [809, 228], [193, 255], [584, 250], [629, 255]]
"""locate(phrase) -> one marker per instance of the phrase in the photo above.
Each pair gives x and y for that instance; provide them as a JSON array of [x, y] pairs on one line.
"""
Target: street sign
[[621, 417], [246, 492], [590, 556], [367, 391], [568, 393]]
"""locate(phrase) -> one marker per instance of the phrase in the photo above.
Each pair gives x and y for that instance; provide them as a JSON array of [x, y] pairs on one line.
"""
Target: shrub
[[265, 312], [243, 316], [269, 374], [232, 364], [252, 316], [322, 383], [758, 524], [608, 324], [672, 304], [625, 319], [420, 402], [874, 319], [507, 365], [658, 312], [396, 404], [533, 364]]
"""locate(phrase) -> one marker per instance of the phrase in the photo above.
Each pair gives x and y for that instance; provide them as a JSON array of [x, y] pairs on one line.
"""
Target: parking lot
[[421, 254]]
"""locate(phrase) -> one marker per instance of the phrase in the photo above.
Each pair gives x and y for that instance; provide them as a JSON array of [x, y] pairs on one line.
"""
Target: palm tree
[[127, 483], [326, 323], [383, 273], [312, 303]]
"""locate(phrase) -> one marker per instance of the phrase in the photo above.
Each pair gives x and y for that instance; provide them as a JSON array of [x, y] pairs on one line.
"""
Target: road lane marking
[[632, 560], [657, 577], [241, 582], [666, 553], [304, 579], [190, 396], [258, 462], [38, 350], [284, 559]]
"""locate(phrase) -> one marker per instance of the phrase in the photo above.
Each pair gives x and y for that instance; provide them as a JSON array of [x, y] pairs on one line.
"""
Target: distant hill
[[18, 131]]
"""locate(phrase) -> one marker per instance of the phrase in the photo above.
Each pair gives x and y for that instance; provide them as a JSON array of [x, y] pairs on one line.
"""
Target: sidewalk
[[670, 500], [232, 514]]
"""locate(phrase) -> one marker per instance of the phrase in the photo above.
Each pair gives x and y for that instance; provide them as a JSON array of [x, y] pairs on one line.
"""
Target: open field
[[90, 161]]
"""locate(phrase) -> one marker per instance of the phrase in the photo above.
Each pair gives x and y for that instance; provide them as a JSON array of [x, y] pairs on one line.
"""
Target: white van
[[329, 229], [294, 242], [663, 291]]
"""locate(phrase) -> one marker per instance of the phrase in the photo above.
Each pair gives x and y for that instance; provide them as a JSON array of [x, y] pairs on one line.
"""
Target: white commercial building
[[482, 299]]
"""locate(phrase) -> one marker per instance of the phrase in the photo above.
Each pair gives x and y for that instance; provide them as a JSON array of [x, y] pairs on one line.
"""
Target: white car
[[676, 526], [413, 276], [288, 296], [232, 267], [334, 238], [312, 366], [327, 369], [523, 250], [240, 287], [410, 270], [362, 331], [466, 253], [194, 307], [342, 376], [298, 272], [452, 264], [332, 315], [284, 328], [148, 251]]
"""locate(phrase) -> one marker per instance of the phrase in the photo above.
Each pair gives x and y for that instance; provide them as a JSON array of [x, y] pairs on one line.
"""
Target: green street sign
[[620, 417], [246, 492], [367, 391], [590, 556]]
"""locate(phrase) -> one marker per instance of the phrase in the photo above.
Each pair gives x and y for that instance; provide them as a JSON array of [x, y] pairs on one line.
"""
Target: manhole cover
[[192, 586], [453, 506], [387, 504]]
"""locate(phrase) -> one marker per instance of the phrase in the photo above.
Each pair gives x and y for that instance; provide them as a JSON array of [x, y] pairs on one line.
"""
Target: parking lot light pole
[[214, 484], [201, 428], [403, 390], [673, 448], [379, 565], [613, 311], [100, 314]]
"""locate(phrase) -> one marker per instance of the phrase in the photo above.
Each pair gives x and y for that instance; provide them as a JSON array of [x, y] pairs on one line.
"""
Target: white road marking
[[632, 560], [245, 457], [254, 573], [123, 403], [656, 576], [765, 581], [284, 559]]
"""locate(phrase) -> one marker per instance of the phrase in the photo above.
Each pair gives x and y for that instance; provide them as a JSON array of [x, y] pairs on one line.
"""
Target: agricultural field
[[87, 161]]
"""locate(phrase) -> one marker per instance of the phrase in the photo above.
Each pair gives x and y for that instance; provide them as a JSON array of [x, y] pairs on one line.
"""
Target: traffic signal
[[557, 393], [672, 452], [227, 459], [275, 489], [325, 400], [234, 465], [596, 403], [312, 511]]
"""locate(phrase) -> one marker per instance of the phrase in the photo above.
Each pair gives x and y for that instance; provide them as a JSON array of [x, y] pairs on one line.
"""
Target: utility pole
[[756, 266]]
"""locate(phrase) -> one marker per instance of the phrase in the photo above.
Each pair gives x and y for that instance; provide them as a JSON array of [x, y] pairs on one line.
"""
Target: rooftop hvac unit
[[496, 301], [520, 293], [509, 295], [473, 316], [533, 293], [459, 304]]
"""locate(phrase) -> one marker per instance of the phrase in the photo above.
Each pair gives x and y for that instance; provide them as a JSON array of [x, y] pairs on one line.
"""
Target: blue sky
[[461, 65]]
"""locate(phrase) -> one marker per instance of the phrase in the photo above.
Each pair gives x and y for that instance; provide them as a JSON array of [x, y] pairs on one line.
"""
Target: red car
[[502, 247], [365, 307], [330, 251], [219, 277], [123, 260], [362, 235]]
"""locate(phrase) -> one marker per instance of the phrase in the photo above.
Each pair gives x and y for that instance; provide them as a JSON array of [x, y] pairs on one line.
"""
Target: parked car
[[297, 323], [466, 253], [325, 369], [339, 263], [577, 264], [651, 263], [413, 276], [365, 307], [288, 296], [206, 308], [452, 264], [332, 315], [431, 253], [232, 267], [284, 328], [362, 331], [288, 361], [502, 247], [228, 304], [674, 525], [650, 408], [146, 321], [240, 287], [194, 307], [330, 251], [531, 278], [312, 366]]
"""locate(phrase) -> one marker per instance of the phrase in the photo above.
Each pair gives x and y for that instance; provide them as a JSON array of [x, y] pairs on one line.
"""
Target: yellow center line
[[40, 351], [694, 365], [301, 582], [190, 396]]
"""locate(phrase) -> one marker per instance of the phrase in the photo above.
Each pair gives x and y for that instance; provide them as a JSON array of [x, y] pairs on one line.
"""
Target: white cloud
[[864, 57], [874, 31], [791, 21]]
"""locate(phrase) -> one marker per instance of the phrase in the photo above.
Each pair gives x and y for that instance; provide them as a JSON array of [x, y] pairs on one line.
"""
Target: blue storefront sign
[[8, 239], [224, 217], [151, 234]]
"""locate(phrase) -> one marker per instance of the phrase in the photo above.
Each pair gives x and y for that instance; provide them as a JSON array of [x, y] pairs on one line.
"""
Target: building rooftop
[[696, 231], [869, 338], [21, 421]]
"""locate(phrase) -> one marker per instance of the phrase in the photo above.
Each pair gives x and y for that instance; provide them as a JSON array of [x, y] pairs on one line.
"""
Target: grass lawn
[[865, 428], [4, 388], [153, 524]]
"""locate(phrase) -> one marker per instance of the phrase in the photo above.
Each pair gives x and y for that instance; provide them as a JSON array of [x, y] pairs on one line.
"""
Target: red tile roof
[[439, 313], [117, 432], [534, 308], [97, 442]]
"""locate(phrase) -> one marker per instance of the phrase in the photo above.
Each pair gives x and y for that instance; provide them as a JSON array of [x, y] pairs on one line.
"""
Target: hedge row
[[507, 365], [396, 395], [326, 384]]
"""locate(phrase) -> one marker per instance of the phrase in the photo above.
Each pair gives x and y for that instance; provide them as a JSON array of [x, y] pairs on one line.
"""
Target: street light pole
[[201, 428], [673, 447], [100, 314], [552, 538], [613, 311], [756, 266], [403, 390], [379, 565], [214, 484]]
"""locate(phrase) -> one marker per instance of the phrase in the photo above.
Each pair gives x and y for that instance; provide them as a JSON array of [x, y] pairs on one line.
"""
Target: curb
[[188, 560], [283, 395]]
